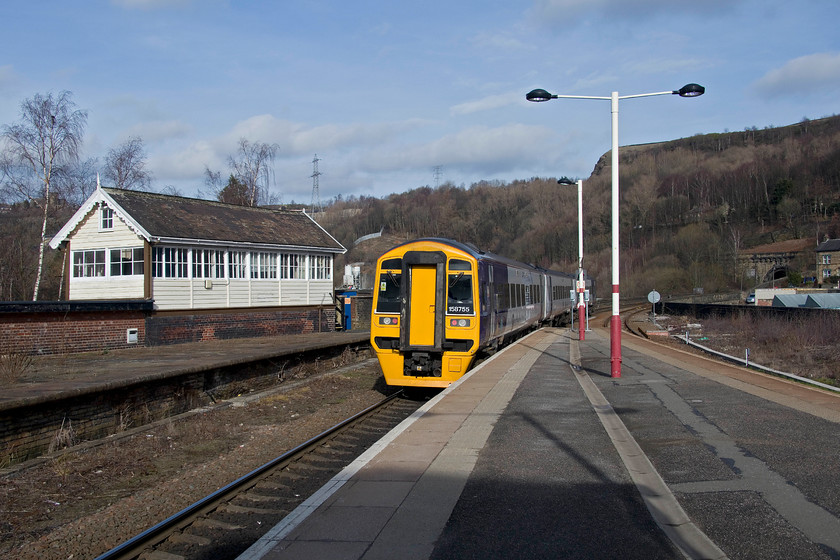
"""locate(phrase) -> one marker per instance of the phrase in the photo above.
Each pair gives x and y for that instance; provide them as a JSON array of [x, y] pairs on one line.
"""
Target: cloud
[[487, 103], [476, 147], [186, 164], [567, 11], [299, 138], [804, 75], [149, 4], [500, 40], [8, 76], [159, 131], [294, 140]]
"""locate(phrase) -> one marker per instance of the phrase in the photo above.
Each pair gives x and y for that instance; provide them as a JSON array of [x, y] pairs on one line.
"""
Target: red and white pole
[[581, 305], [615, 320], [539, 95]]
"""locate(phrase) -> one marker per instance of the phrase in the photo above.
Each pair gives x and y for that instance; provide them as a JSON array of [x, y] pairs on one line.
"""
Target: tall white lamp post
[[581, 284], [688, 90]]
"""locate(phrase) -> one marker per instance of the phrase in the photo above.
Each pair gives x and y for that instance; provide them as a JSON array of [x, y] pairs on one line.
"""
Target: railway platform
[[57, 377], [539, 453]]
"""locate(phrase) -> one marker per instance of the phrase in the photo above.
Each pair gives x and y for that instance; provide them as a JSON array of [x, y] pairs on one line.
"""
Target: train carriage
[[437, 302]]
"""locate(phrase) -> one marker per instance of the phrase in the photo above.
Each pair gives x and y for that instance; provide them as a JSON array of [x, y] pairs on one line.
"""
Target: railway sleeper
[[322, 458], [231, 508], [255, 497], [160, 555], [283, 477], [190, 539], [210, 523]]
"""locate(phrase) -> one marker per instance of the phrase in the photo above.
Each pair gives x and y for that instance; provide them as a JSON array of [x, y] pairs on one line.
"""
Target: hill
[[687, 207]]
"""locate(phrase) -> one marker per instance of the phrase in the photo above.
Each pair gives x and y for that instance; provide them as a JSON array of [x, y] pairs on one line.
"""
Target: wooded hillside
[[687, 207]]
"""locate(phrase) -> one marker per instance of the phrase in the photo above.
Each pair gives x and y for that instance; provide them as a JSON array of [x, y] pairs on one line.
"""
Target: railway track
[[225, 523]]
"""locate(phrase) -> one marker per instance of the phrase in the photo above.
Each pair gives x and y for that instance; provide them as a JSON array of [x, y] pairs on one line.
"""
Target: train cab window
[[389, 293], [459, 299], [392, 264], [458, 264]]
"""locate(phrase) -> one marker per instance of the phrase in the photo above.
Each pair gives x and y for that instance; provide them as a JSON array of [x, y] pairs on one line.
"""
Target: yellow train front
[[437, 302]]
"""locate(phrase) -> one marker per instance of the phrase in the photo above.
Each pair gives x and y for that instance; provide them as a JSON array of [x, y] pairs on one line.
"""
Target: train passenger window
[[458, 264], [460, 295], [389, 293], [392, 264]]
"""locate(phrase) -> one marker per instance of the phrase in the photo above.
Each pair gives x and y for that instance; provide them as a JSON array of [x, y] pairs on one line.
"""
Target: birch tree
[[252, 167], [125, 166], [37, 151]]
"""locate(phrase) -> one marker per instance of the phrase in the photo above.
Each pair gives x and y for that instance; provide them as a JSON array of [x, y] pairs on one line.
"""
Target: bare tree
[[38, 150], [252, 167], [125, 166]]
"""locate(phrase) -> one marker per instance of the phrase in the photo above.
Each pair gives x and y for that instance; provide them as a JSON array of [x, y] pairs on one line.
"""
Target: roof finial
[[98, 186]]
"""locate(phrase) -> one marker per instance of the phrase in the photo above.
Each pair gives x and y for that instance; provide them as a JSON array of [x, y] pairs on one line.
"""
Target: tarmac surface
[[539, 453]]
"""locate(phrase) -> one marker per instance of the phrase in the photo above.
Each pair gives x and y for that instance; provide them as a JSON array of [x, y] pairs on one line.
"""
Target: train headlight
[[459, 322], [389, 321]]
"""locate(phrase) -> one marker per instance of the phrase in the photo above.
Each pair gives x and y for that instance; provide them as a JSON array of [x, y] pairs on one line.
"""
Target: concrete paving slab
[[541, 454]]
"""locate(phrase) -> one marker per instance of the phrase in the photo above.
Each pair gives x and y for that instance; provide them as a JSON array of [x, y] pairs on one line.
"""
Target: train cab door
[[422, 301]]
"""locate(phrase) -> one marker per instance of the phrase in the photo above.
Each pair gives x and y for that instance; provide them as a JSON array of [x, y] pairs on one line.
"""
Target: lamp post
[[538, 95], [581, 285]]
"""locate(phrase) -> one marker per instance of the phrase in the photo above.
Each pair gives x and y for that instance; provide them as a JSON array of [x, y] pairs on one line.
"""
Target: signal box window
[[88, 264], [389, 293], [127, 262], [106, 218]]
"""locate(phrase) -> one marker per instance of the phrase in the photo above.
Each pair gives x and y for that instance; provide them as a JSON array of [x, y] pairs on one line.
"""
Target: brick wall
[[63, 328], [174, 328], [41, 328]]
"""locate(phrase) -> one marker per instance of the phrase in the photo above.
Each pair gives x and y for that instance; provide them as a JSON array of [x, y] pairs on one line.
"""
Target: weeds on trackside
[[14, 366], [802, 346], [64, 437]]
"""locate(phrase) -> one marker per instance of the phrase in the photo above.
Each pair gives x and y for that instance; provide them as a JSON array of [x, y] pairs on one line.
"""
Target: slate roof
[[826, 301], [828, 245], [165, 218], [790, 300]]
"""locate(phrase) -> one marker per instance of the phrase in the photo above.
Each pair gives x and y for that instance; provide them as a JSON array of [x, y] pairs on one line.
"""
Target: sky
[[393, 95]]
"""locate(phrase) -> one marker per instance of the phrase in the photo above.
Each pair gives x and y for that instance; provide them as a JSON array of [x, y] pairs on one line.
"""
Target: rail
[[633, 328], [746, 363], [158, 533]]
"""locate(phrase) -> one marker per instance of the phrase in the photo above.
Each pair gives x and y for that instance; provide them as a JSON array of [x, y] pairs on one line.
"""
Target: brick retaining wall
[[28, 431], [42, 328], [174, 328]]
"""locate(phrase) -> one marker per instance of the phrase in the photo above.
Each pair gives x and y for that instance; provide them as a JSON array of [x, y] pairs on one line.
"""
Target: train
[[438, 302]]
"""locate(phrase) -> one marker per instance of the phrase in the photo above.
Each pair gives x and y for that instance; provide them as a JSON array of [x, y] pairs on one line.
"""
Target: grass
[[805, 347], [14, 366]]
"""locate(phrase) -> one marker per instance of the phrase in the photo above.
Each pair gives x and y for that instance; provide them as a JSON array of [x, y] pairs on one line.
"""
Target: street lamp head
[[565, 181], [690, 90], [538, 95]]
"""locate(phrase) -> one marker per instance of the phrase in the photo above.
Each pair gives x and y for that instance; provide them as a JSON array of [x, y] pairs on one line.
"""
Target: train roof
[[478, 254]]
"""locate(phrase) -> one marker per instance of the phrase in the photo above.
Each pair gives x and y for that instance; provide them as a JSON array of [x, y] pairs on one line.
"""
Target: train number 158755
[[459, 309]]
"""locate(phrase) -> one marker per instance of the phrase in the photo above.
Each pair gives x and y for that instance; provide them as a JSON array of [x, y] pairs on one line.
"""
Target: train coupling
[[423, 364]]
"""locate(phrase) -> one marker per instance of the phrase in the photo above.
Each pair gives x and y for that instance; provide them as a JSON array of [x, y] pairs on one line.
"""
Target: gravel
[[91, 498]]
